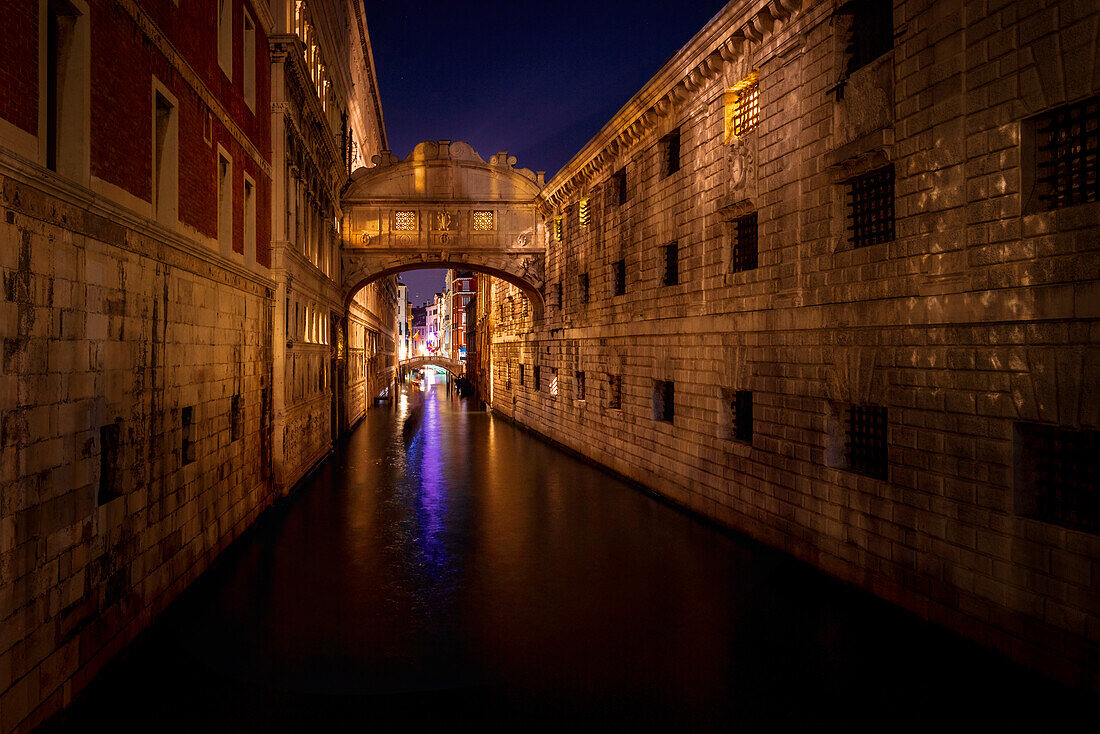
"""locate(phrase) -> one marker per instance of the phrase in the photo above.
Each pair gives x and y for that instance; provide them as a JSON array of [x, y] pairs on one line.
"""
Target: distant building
[[402, 321], [461, 286]]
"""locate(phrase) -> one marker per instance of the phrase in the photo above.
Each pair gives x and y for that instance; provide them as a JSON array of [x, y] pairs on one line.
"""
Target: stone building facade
[[831, 279], [145, 265], [326, 121]]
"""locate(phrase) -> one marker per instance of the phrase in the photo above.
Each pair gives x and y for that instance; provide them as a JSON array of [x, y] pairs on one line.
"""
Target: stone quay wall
[[970, 330], [134, 391]]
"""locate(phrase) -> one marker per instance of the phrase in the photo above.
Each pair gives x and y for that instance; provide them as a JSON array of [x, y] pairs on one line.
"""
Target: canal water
[[448, 570]]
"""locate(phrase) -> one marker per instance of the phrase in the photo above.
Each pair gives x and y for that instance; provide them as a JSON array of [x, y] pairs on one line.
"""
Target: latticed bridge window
[[871, 208], [483, 221], [404, 221], [865, 447], [745, 243], [1067, 148], [1058, 475]]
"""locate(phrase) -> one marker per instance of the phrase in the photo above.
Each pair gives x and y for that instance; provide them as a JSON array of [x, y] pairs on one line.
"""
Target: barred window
[[580, 385], [671, 255], [670, 153], [746, 109], [664, 401], [1067, 148], [523, 375], [871, 208], [745, 246], [557, 229], [508, 375], [1057, 475], [583, 286], [558, 294], [619, 180], [553, 382], [741, 414], [871, 33], [615, 392], [404, 221], [865, 447], [619, 273], [584, 212], [483, 221], [538, 378]]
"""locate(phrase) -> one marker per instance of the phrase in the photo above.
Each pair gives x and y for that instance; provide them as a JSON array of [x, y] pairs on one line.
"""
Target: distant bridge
[[454, 366]]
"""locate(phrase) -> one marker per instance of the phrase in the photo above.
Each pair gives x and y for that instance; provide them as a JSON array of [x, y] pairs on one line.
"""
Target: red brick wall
[[19, 70]]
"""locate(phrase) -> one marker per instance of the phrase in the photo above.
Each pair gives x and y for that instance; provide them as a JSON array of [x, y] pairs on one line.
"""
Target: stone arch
[[453, 366]]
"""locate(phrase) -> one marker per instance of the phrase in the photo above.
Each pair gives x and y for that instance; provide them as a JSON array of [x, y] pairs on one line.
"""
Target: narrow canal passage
[[447, 568]]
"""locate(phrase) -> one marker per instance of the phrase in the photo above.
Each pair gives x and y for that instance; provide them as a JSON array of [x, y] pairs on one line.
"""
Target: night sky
[[535, 79]]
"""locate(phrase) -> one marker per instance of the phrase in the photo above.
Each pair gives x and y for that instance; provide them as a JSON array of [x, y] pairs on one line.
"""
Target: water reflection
[[447, 568]]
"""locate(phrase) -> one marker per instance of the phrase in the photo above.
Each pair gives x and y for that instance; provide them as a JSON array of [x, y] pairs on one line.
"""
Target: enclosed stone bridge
[[454, 366], [444, 207]]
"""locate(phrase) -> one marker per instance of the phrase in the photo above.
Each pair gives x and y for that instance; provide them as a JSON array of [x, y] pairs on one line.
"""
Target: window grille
[[745, 247], [664, 401], [404, 221], [583, 283], [584, 213], [865, 447], [672, 264], [670, 153], [741, 412], [553, 382], [538, 378], [746, 109], [615, 392], [620, 277], [483, 221], [871, 208], [557, 229], [620, 186], [508, 375], [1058, 475], [1067, 149], [558, 293], [522, 376], [871, 33], [580, 385]]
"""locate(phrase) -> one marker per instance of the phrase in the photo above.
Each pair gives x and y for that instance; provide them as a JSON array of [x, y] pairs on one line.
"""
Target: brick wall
[[977, 316], [19, 39]]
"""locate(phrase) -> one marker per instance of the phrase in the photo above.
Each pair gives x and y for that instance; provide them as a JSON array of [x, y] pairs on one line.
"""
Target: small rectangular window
[[558, 229], [165, 159], [583, 286], [746, 108], [67, 47], [558, 295], [621, 192], [225, 37], [553, 382], [187, 444], [871, 33], [225, 204], [619, 274], [671, 275], [670, 153], [580, 385], [1057, 475], [538, 378], [1067, 155], [249, 221], [865, 445], [249, 70], [741, 414], [745, 243], [235, 418], [584, 212], [664, 401], [522, 376], [108, 463], [871, 208], [508, 375], [615, 392]]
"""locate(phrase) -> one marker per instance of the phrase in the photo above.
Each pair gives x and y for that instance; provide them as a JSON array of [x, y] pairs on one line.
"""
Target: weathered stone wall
[[978, 316], [112, 331]]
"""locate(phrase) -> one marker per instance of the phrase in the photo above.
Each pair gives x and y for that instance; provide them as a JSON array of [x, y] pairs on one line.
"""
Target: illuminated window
[[483, 221], [404, 221], [557, 229], [553, 382], [743, 107], [584, 213]]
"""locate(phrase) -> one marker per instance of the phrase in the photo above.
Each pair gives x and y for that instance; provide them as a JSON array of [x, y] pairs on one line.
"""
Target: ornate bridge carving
[[444, 207], [454, 366]]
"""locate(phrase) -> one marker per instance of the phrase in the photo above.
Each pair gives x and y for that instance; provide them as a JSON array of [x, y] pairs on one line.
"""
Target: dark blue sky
[[535, 79]]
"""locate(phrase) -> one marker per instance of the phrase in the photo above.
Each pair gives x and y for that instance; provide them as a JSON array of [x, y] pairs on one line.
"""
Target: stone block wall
[[974, 321], [134, 401]]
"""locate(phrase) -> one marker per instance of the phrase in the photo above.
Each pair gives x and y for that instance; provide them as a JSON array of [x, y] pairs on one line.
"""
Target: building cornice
[[739, 26], [368, 56]]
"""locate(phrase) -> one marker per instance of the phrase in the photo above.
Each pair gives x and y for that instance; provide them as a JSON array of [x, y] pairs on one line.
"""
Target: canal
[[447, 569]]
